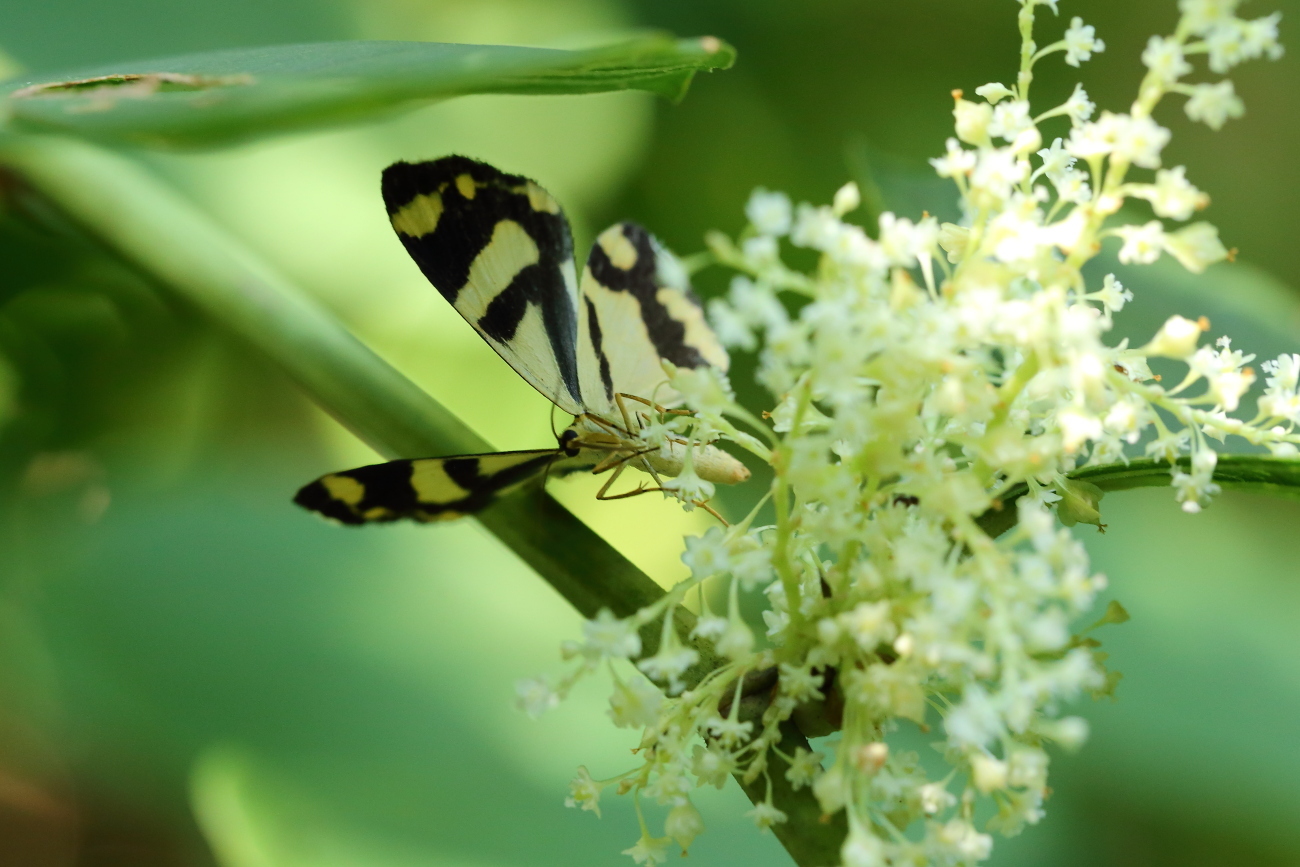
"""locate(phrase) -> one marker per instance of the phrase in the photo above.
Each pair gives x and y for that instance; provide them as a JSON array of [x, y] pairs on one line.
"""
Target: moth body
[[604, 444]]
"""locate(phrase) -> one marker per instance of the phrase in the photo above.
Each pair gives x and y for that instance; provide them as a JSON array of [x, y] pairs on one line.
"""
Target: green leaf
[[224, 96], [1258, 473]]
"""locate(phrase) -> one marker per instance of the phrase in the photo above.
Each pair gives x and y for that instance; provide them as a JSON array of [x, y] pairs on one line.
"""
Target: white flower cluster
[[924, 374]]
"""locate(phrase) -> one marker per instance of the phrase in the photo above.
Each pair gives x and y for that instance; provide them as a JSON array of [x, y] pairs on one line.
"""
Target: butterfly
[[498, 247]]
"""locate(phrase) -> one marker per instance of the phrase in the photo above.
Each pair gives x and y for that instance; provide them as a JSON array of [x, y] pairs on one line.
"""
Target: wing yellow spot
[[465, 184], [510, 251], [420, 216], [618, 248], [432, 484], [698, 333], [345, 489], [540, 200]]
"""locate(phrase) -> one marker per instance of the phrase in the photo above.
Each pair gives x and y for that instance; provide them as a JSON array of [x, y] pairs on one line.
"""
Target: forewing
[[424, 489], [638, 309], [498, 247]]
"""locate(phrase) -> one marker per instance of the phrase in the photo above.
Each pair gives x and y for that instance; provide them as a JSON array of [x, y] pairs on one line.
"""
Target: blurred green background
[[193, 672]]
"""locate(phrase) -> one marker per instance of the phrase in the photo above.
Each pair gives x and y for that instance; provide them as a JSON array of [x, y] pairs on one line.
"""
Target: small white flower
[[974, 721], [709, 554], [988, 773], [712, 767], [684, 823], [1262, 39], [1070, 732], [584, 792], [904, 242], [737, 641], [1200, 16], [804, 768], [1010, 119], [1213, 104], [669, 664], [756, 304], [1142, 244], [765, 815], [703, 388], [861, 849], [997, 172], [1056, 160], [689, 487], [1112, 295], [1094, 138], [957, 162], [649, 850], [935, 798], [635, 704], [710, 627], [815, 227], [1081, 42], [1164, 57], [1235, 41], [1027, 768], [1173, 196], [1140, 140], [535, 697], [869, 625], [731, 329], [769, 212], [965, 841], [1079, 107], [1283, 372], [1077, 428], [611, 637]]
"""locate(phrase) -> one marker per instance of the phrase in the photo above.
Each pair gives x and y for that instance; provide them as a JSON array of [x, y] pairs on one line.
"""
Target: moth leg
[[642, 489], [650, 403], [607, 425], [603, 493], [622, 408], [659, 486]]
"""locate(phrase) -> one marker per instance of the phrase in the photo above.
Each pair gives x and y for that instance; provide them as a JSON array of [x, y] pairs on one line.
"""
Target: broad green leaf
[[1258, 473], [223, 96]]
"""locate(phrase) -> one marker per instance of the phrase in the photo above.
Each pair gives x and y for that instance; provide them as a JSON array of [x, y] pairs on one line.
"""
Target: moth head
[[568, 442]]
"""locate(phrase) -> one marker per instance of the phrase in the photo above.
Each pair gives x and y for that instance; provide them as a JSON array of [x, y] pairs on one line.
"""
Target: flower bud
[[847, 198], [1177, 338], [972, 121]]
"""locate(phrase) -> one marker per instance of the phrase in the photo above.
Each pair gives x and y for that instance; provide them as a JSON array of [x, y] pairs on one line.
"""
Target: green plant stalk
[[146, 223], [1260, 474]]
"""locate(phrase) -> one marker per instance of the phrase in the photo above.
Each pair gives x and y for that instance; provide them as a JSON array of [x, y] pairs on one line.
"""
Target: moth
[[498, 247]]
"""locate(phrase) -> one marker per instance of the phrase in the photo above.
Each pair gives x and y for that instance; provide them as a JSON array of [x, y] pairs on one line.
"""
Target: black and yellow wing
[[498, 247], [424, 489], [638, 310]]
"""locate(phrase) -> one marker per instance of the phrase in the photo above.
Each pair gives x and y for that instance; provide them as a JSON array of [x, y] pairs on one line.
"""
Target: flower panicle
[[920, 373]]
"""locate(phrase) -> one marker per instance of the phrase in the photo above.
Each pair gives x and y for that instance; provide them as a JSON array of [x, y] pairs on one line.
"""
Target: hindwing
[[498, 247], [424, 489], [637, 311]]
